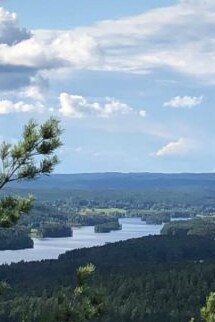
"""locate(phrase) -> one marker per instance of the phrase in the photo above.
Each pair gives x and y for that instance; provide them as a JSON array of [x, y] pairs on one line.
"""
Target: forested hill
[[150, 279], [121, 181]]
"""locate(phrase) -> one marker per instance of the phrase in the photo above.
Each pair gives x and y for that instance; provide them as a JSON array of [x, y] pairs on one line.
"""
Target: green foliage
[[208, 311], [67, 304], [12, 207], [4, 288], [29, 158], [84, 305], [83, 273], [33, 155]]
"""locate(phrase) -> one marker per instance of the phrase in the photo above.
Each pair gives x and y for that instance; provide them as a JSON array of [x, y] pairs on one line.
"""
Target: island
[[107, 227], [14, 239], [55, 230]]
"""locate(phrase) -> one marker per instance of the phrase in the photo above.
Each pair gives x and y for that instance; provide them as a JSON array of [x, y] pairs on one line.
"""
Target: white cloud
[[7, 106], [181, 146], [78, 106], [137, 44], [25, 54], [133, 44], [142, 113], [10, 33], [33, 92], [36, 89], [47, 50], [184, 101]]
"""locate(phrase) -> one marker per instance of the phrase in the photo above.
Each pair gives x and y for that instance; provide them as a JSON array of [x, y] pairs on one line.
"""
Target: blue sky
[[132, 82]]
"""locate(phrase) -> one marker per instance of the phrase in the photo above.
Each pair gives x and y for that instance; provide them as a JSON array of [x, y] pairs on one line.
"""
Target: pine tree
[[32, 156]]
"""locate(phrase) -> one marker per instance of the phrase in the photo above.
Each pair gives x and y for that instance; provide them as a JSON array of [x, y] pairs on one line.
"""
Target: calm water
[[50, 248]]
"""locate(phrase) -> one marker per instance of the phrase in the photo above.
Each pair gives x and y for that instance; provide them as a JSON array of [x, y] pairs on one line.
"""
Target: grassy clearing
[[104, 211]]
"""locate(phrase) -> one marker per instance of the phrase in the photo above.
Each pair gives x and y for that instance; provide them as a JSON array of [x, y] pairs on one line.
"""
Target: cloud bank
[[7, 106], [137, 44]]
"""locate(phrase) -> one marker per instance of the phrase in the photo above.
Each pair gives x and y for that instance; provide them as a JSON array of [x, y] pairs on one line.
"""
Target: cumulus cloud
[[78, 106], [7, 106], [43, 49], [184, 101], [25, 54], [50, 50], [10, 33], [177, 147], [133, 44]]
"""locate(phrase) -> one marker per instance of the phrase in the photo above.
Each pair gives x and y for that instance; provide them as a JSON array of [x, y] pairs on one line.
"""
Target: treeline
[[46, 213], [40, 214], [198, 226], [90, 208], [95, 219], [180, 198], [152, 279], [13, 239], [175, 188]]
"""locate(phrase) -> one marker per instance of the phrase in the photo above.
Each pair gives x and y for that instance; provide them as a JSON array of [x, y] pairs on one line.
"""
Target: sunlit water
[[50, 248]]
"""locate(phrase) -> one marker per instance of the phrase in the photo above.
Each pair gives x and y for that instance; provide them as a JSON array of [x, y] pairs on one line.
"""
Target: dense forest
[[119, 190], [53, 230], [204, 226], [15, 239], [160, 278]]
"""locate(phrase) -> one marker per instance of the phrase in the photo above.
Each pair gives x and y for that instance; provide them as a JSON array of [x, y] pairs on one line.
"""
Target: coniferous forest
[[156, 278]]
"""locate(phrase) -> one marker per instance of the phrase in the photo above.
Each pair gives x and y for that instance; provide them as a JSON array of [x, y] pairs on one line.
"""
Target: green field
[[102, 211]]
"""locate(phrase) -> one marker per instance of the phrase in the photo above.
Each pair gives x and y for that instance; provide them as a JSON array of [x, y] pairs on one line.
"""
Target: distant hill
[[119, 181]]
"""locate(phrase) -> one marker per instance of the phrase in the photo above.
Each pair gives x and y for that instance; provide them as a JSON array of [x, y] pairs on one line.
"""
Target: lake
[[51, 248]]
